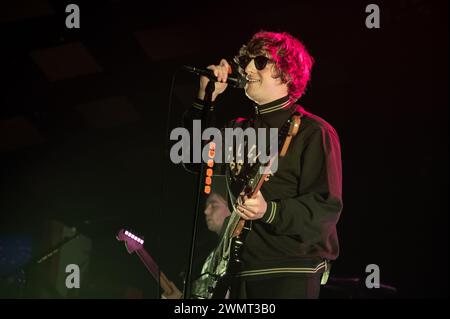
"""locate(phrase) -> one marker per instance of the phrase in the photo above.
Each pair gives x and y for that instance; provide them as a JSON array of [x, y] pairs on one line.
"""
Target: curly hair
[[292, 60]]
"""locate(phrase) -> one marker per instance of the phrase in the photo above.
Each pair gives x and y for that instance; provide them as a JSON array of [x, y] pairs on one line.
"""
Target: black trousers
[[301, 286]]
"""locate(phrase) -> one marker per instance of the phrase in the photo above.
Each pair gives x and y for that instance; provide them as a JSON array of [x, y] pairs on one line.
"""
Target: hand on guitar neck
[[174, 293], [252, 208]]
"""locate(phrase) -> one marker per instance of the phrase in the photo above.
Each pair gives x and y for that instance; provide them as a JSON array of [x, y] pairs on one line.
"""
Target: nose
[[207, 210], [250, 67]]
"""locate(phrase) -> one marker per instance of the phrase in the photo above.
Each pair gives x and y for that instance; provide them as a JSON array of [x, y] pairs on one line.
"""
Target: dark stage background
[[84, 118]]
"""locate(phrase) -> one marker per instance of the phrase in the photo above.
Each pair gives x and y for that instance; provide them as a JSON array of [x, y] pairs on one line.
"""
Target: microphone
[[235, 80]]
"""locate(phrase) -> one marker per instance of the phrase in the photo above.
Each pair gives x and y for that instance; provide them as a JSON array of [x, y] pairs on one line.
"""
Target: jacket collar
[[273, 106]]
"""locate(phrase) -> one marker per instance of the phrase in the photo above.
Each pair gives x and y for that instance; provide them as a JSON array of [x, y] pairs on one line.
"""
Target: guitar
[[226, 255], [134, 243]]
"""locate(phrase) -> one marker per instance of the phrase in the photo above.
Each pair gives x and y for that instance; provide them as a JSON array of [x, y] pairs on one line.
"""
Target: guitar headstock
[[132, 242]]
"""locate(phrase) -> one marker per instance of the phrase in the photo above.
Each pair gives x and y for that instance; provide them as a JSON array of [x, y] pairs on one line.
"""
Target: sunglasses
[[260, 61]]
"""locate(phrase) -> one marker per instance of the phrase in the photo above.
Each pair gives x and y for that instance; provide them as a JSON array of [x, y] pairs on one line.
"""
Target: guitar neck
[[154, 270], [236, 222]]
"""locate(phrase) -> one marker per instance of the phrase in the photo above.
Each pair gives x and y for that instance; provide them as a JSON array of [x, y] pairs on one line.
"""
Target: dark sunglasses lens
[[244, 60], [261, 62]]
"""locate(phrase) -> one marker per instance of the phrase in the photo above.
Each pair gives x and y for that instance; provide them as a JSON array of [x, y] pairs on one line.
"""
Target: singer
[[293, 238]]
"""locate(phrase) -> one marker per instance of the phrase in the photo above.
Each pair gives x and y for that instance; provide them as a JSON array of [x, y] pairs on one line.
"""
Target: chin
[[250, 96]]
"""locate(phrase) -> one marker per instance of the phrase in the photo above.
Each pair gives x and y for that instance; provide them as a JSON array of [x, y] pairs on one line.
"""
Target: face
[[216, 211], [262, 86]]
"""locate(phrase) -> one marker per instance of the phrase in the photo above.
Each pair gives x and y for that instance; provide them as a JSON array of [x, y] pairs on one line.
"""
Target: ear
[[275, 73]]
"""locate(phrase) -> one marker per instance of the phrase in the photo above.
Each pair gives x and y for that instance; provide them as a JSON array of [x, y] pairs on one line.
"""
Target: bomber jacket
[[297, 233]]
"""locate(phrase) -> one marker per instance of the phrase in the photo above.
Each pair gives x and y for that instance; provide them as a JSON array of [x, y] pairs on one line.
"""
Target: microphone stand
[[200, 185]]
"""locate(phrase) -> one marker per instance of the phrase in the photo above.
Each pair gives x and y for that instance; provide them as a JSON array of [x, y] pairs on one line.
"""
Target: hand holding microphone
[[221, 74]]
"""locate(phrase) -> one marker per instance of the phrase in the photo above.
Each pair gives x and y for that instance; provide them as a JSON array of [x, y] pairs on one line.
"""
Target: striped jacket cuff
[[271, 212], [200, 104]]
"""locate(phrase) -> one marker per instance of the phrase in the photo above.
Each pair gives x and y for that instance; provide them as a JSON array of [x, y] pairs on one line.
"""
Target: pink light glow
[[134, 237]]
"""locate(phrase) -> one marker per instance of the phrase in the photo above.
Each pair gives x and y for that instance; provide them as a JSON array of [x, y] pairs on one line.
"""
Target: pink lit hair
[[293, 62]]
